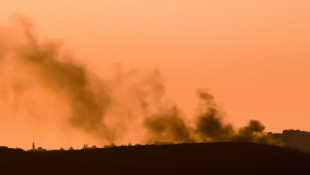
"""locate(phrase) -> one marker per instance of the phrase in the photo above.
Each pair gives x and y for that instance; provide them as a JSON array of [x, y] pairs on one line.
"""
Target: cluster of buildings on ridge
[[85, 146], [295, 138]]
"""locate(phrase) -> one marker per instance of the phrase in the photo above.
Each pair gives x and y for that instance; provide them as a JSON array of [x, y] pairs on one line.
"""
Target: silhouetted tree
[[85, 146]]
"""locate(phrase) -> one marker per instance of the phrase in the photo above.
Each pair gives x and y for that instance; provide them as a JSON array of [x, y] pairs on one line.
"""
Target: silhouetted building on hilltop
[[41, 149], [34, 148], [86, 147], [295, 138], [109, 146]]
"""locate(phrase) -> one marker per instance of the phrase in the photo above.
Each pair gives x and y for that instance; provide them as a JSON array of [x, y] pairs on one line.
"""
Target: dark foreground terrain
[[200, 158]]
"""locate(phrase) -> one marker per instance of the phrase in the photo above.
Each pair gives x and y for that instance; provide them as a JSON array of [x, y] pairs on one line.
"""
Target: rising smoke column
[[167, 125], [88, 97], [209, 122], [211, 127], [162, 120]]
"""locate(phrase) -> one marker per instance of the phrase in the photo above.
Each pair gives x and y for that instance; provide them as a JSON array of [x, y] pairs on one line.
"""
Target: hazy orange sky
[[253, 56]]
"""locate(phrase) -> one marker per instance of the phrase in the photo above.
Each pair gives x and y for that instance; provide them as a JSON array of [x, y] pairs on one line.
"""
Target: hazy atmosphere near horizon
[[105, 71]]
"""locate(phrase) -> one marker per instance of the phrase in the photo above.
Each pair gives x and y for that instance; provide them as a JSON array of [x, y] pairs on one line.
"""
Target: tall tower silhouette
[[33, 146]]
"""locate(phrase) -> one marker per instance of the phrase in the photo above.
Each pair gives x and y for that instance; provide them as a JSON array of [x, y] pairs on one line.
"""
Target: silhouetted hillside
[[295, 138], [4, 149], [199, 158]]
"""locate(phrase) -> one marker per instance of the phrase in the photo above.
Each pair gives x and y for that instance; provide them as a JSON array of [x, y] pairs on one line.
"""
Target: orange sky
[[253, 56]]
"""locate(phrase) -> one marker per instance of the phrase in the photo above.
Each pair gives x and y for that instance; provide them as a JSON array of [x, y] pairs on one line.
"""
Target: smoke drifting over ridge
[[129, 107]]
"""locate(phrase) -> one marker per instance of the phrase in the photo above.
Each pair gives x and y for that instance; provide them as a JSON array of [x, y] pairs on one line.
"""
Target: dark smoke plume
[[211, 127], [88, 98], [161, 120], [167, 125], [252, 133], [209, 124]]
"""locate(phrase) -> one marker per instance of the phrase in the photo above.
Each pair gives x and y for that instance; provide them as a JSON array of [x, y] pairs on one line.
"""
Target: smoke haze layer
[[51, 92]]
